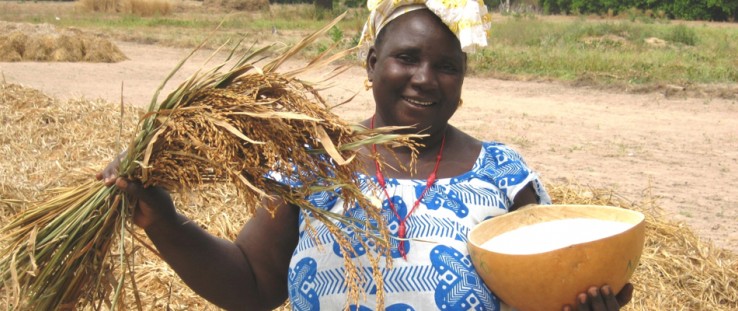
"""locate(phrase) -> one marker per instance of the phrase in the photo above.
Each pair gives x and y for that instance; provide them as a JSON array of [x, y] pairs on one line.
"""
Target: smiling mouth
[[417, 102]]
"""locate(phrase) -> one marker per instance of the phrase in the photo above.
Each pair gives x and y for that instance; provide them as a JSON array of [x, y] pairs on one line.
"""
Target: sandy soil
[[684, 151]]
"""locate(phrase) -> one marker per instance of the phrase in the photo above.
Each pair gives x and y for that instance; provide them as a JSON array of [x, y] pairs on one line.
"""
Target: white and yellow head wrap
[[467, 19]]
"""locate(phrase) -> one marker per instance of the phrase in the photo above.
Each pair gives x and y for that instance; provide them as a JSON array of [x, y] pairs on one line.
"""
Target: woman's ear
[[371, 61]]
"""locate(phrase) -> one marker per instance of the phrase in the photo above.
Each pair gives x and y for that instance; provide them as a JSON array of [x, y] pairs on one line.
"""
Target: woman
[[416, 66]]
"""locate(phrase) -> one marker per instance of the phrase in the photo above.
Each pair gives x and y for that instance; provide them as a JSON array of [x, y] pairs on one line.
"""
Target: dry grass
[[237, 5], [43, 42], [136, 7]]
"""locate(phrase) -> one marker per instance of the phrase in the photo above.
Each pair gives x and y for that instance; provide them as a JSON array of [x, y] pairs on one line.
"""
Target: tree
[[324, 4]]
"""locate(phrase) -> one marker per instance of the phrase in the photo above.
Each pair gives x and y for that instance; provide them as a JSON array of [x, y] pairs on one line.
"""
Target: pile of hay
[[42, 139], [677, 271], [237, 5], [135, 7], [43, 42]]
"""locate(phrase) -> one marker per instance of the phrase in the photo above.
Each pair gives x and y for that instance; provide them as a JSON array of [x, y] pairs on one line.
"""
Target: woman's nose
[[424, 76]]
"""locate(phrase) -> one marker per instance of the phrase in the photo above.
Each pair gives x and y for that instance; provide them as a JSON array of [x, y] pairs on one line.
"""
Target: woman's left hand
[[602, 299]]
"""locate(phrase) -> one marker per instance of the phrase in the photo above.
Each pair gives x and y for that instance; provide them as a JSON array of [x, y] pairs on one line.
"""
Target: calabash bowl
[[549, 280]]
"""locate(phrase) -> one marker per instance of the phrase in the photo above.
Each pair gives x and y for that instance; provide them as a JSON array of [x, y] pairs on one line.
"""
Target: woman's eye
[[406, 58], [449, 68]]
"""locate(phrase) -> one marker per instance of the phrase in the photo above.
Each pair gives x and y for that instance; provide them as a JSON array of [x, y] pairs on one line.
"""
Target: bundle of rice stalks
[[677, 271], [226, 127]]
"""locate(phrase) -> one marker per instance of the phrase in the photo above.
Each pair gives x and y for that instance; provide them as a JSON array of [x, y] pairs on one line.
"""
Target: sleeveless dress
[[438, 273]]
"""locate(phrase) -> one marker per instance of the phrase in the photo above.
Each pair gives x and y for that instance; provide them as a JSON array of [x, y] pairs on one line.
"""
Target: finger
[[110, 180], [595, 299], [566, 308], [121, 183], [135, 193], [107, 178], [150, 196], [609, 298], [132, 189], [582, 302], [625, 294]]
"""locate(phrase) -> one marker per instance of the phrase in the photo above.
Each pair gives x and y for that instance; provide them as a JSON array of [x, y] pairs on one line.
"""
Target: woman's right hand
[[152, 204]]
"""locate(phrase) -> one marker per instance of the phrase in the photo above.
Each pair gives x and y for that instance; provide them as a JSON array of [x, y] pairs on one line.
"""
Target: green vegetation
[[611, 52], [720, 10], [623, 52]]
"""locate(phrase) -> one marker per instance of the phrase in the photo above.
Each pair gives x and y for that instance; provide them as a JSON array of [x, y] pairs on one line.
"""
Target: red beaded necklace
[[402, 230]]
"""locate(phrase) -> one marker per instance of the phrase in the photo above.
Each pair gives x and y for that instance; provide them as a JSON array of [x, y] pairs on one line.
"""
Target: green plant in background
[[609, 53], [335, 34], [355, 3], [719, 10], [682, 34]]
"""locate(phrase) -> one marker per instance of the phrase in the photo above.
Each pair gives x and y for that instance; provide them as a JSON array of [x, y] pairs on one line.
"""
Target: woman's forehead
[[417, 26], [417, 21], [422, 16]]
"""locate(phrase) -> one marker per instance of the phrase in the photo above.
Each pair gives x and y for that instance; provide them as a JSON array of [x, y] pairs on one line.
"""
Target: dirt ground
[[683, 152]]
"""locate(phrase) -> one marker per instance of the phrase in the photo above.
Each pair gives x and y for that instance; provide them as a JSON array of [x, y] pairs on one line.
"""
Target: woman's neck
[[430, 141], [400, 158]]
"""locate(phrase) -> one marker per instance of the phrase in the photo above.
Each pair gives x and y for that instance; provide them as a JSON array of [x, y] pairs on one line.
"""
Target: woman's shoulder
[[495, 147], [496, 154], [466, 143]]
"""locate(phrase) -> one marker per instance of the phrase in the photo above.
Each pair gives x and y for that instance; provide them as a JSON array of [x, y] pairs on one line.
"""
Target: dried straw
[[28, 42], [234, 127], [237, 5]]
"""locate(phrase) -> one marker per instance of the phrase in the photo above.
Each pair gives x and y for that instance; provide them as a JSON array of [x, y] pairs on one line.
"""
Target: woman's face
[[417, 70]]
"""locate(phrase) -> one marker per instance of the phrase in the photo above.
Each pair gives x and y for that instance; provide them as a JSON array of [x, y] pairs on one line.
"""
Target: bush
[[682, 34]]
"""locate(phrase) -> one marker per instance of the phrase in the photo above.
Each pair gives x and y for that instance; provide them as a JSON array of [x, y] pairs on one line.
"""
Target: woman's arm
[[249, 273], [524, 197]]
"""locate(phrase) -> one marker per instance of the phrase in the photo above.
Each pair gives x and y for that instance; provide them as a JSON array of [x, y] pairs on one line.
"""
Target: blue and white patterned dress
[[438, 273]]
